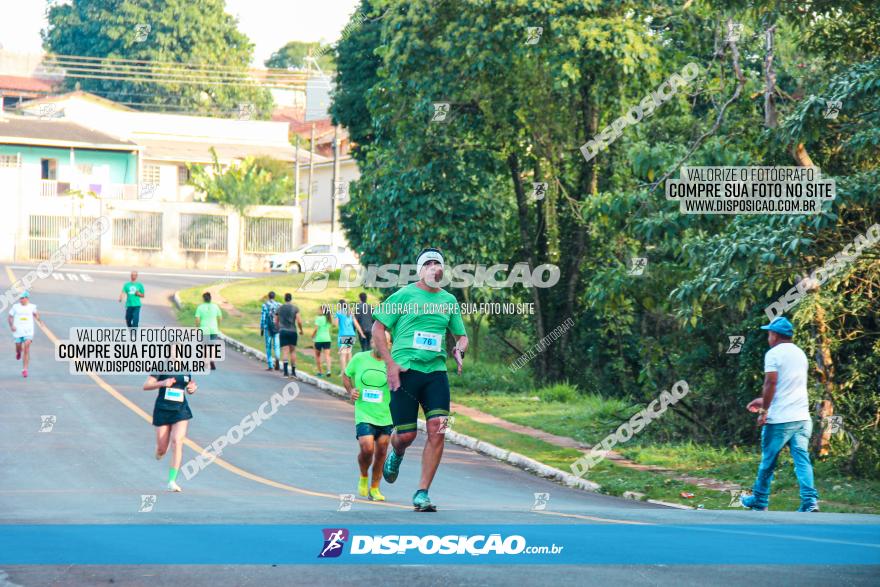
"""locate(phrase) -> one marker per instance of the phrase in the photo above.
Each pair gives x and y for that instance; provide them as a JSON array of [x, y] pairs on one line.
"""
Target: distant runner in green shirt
[[132, 291], [321, 336], [208, 316], [366, 381], [418, 316]]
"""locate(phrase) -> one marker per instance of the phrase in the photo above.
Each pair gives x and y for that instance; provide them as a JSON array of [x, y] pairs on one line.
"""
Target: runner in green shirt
[[366, 381], [208, 316], [132, 291], [321, 336], [418, 317]]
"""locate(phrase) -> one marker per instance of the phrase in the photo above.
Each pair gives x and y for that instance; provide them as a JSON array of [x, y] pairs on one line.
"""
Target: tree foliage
[[519, 113], [292, 56], [155, 33]]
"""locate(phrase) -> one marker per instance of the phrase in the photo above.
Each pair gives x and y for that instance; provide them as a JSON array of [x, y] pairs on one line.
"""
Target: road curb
[[475, 444]]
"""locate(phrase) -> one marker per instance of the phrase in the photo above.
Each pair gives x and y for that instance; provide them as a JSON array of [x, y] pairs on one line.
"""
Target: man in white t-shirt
[[787, 420], [21, 321]]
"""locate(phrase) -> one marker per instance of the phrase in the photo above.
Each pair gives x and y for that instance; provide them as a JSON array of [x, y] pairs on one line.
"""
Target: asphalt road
[[97, 463]]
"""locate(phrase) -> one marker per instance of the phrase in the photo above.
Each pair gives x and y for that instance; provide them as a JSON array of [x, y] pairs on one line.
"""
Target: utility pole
[[311, 172], [335, 180], [295, 193]]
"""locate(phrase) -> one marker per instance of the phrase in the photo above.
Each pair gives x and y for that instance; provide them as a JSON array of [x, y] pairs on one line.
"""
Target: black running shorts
[[430, 390]]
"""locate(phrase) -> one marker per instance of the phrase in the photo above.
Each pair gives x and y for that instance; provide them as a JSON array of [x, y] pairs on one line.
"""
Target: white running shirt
[[790, 403], [23, 319]]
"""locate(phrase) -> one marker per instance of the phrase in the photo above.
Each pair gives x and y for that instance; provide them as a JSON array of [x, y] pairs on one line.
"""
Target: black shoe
[[213, 366], [277, 366]]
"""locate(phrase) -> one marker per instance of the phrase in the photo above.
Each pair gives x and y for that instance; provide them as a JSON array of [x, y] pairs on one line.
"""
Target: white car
[[313, 258]]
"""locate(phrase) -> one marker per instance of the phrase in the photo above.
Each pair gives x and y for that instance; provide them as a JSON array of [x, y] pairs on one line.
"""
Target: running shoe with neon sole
[[391, 467], [422, 503], [809, 507], [24, 372], [363, 486], [376, 495], [173, 486]]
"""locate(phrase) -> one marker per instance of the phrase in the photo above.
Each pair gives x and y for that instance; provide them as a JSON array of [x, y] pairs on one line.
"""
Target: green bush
[[485, 378], [559, 392]]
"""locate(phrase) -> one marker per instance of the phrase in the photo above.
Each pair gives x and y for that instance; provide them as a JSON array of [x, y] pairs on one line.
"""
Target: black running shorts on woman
[[171, 404], [430, 390]]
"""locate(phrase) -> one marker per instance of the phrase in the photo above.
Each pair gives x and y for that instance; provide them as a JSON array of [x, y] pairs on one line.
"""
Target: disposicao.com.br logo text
[[453, 544]]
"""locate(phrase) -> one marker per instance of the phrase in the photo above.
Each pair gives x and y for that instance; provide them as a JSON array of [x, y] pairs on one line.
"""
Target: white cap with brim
[[429, 255]]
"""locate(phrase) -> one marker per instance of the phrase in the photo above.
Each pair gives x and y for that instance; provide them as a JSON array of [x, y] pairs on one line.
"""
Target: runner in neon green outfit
[[366, 381]]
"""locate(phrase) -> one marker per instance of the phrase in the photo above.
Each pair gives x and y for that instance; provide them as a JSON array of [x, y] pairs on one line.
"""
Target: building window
[[9, 161], [48, 169], [182, 175], [150, 175]]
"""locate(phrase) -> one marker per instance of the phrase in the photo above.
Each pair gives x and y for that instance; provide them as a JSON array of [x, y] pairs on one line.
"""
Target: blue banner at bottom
[[567, 544]]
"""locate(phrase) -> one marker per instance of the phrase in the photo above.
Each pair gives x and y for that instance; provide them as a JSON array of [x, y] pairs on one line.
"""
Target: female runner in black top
[[171, 416]]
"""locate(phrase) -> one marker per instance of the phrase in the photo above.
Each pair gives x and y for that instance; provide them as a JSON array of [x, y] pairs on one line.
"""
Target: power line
[[209, 66], [171, 71]]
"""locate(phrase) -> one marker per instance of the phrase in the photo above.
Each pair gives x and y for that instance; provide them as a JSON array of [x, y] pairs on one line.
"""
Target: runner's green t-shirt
[[369, 377], [208, 313], [129, 290], [418, 320], [323, 334]]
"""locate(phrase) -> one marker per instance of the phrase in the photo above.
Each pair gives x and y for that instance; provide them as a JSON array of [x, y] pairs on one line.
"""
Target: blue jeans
[[271, 339], [132, 316], [774, 437]]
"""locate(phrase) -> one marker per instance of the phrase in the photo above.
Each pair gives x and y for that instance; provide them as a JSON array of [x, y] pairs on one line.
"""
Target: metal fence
[[203, 232], [46, 234], [139, 230], [268, 235]]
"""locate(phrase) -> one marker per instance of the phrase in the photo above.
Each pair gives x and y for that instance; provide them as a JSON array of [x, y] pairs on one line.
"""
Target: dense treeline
[[779, 84]]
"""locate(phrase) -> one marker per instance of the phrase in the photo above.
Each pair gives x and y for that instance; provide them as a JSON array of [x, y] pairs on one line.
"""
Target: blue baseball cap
[[24, 294], [781, 326]]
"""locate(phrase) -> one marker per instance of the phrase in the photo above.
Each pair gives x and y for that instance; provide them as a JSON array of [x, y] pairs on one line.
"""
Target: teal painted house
[[48, 157]]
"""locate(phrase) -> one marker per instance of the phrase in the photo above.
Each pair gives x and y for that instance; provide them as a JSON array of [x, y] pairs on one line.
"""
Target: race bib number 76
[[426, 341]]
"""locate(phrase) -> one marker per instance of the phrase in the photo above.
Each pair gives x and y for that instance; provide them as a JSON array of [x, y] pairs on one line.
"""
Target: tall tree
[[157, 35]]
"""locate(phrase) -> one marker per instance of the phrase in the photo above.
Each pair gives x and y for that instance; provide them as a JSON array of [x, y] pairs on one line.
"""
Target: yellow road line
[[593, 518]]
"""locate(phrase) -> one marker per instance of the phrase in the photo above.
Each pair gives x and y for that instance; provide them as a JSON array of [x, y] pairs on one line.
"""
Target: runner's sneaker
[[391, 467], [24, 372], [173, 486], [375, 495], [749, 502], [811, 507], [363, 486], [422, 503]]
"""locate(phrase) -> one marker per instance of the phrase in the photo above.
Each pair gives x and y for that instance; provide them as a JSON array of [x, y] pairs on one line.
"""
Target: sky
[[269, 23]]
